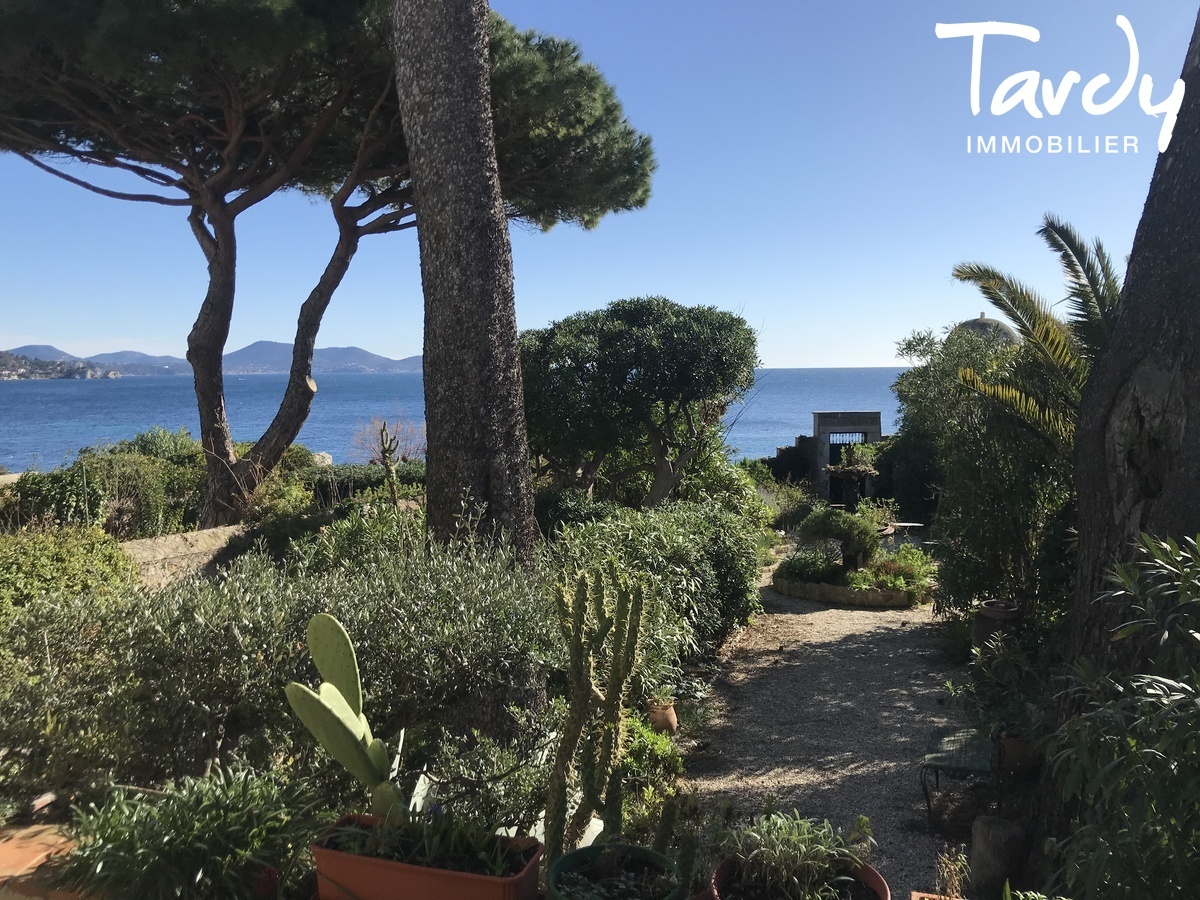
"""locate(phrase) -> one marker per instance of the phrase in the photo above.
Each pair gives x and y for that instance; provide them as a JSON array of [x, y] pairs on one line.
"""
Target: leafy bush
[[1127, 760], [758, 470], [814, 562], [135, 488], [61, 497], [333, 484], [68, 561], [139, 687], [792, 502], [698, 565], [178, 447], [554, 509], [858, 535], [234, 834], [907, 569], [713, 479], [651, 759]]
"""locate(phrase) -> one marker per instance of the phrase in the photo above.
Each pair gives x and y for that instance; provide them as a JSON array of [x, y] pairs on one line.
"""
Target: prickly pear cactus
[[333, 713]]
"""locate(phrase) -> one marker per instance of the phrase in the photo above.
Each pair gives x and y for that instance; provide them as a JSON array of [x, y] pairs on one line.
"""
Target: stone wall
[[162, 560]]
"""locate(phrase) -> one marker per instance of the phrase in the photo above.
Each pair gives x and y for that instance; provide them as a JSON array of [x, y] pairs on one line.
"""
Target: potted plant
[[991, 616], [780, 855], [953, 873], [399, 851], [614, 872]]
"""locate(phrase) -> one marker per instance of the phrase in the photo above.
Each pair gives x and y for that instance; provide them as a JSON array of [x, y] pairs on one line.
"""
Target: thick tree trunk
[[474, 409], [1138, 438]]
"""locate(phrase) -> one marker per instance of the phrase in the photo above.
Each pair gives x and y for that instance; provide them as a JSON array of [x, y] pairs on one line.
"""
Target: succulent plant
[[333, 713], [601, 631]]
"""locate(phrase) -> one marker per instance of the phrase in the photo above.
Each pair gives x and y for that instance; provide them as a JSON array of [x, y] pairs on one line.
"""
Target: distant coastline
[[15, 367], [42, 361]]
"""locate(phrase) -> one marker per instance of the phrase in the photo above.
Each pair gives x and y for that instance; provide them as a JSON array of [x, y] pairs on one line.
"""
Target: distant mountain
[[266, 357], [259, 358], [131, 362], [43, 352]]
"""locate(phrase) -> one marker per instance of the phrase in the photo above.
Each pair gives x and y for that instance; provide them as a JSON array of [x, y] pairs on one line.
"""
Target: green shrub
[[814, 562], [698, 564], [758, 471], [178, 447], [334, 484], [650, 769], [68, 561], [233, 834], [858, 535], [61, 497], [651, 759], [792, 502], [907, 569], [715, 480], [135, 488], [1127, 760], [554, 509], [139, 688]]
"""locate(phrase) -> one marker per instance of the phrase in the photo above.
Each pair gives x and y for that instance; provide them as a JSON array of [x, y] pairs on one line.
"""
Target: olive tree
[[634, 389]]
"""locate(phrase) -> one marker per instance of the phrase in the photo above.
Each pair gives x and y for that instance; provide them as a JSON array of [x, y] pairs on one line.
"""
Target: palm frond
[[1093, 285], [1043, 421], [1020, 303]]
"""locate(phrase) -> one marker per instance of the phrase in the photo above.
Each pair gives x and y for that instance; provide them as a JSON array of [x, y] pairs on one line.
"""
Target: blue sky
[[813, 177]]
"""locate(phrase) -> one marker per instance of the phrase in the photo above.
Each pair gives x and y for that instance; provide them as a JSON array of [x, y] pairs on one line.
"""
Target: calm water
[[43, 423]]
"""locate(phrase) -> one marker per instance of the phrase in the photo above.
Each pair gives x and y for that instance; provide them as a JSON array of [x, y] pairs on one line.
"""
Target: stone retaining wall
[[836, 595], [162, 560]]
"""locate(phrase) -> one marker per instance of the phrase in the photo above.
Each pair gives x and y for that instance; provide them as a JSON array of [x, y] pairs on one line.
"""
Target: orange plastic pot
[[726, 871], [347, 876]]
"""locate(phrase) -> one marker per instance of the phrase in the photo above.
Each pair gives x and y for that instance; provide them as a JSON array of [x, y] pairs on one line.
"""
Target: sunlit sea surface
[[44, 423]]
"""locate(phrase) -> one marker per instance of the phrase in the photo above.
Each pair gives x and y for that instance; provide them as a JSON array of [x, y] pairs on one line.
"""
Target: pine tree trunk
[[474, 410], [231, 481], [206, 347]]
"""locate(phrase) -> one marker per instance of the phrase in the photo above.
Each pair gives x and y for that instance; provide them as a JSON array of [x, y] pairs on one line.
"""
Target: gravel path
[[827, 710]]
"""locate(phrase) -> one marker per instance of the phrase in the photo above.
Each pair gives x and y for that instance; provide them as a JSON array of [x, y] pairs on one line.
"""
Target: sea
[[45, 423]]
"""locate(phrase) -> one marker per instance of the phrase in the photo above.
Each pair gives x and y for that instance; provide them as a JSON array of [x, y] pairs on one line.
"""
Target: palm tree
[[1045, 395]]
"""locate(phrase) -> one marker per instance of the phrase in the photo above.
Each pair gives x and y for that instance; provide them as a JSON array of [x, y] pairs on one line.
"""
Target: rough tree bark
[[1138, 440], [474, 409]]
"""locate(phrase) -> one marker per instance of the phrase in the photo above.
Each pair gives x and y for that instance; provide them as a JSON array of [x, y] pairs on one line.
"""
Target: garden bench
[[956, 753]]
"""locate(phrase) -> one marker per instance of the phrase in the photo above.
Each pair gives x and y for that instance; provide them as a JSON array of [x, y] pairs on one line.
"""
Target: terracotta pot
[[347, 876], [662, 718], [569, 862], [991, 616], [725, 872]]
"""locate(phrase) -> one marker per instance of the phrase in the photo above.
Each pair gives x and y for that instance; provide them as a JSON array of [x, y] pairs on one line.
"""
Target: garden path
[[827, 710]]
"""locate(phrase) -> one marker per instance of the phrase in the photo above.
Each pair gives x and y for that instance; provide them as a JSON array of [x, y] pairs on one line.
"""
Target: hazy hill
[[43, 352], [131, 362], [275, 356], [259, 358]]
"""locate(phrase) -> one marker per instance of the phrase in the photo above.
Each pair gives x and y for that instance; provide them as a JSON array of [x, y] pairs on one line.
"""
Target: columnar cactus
[[334, 715], [602, 640]]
